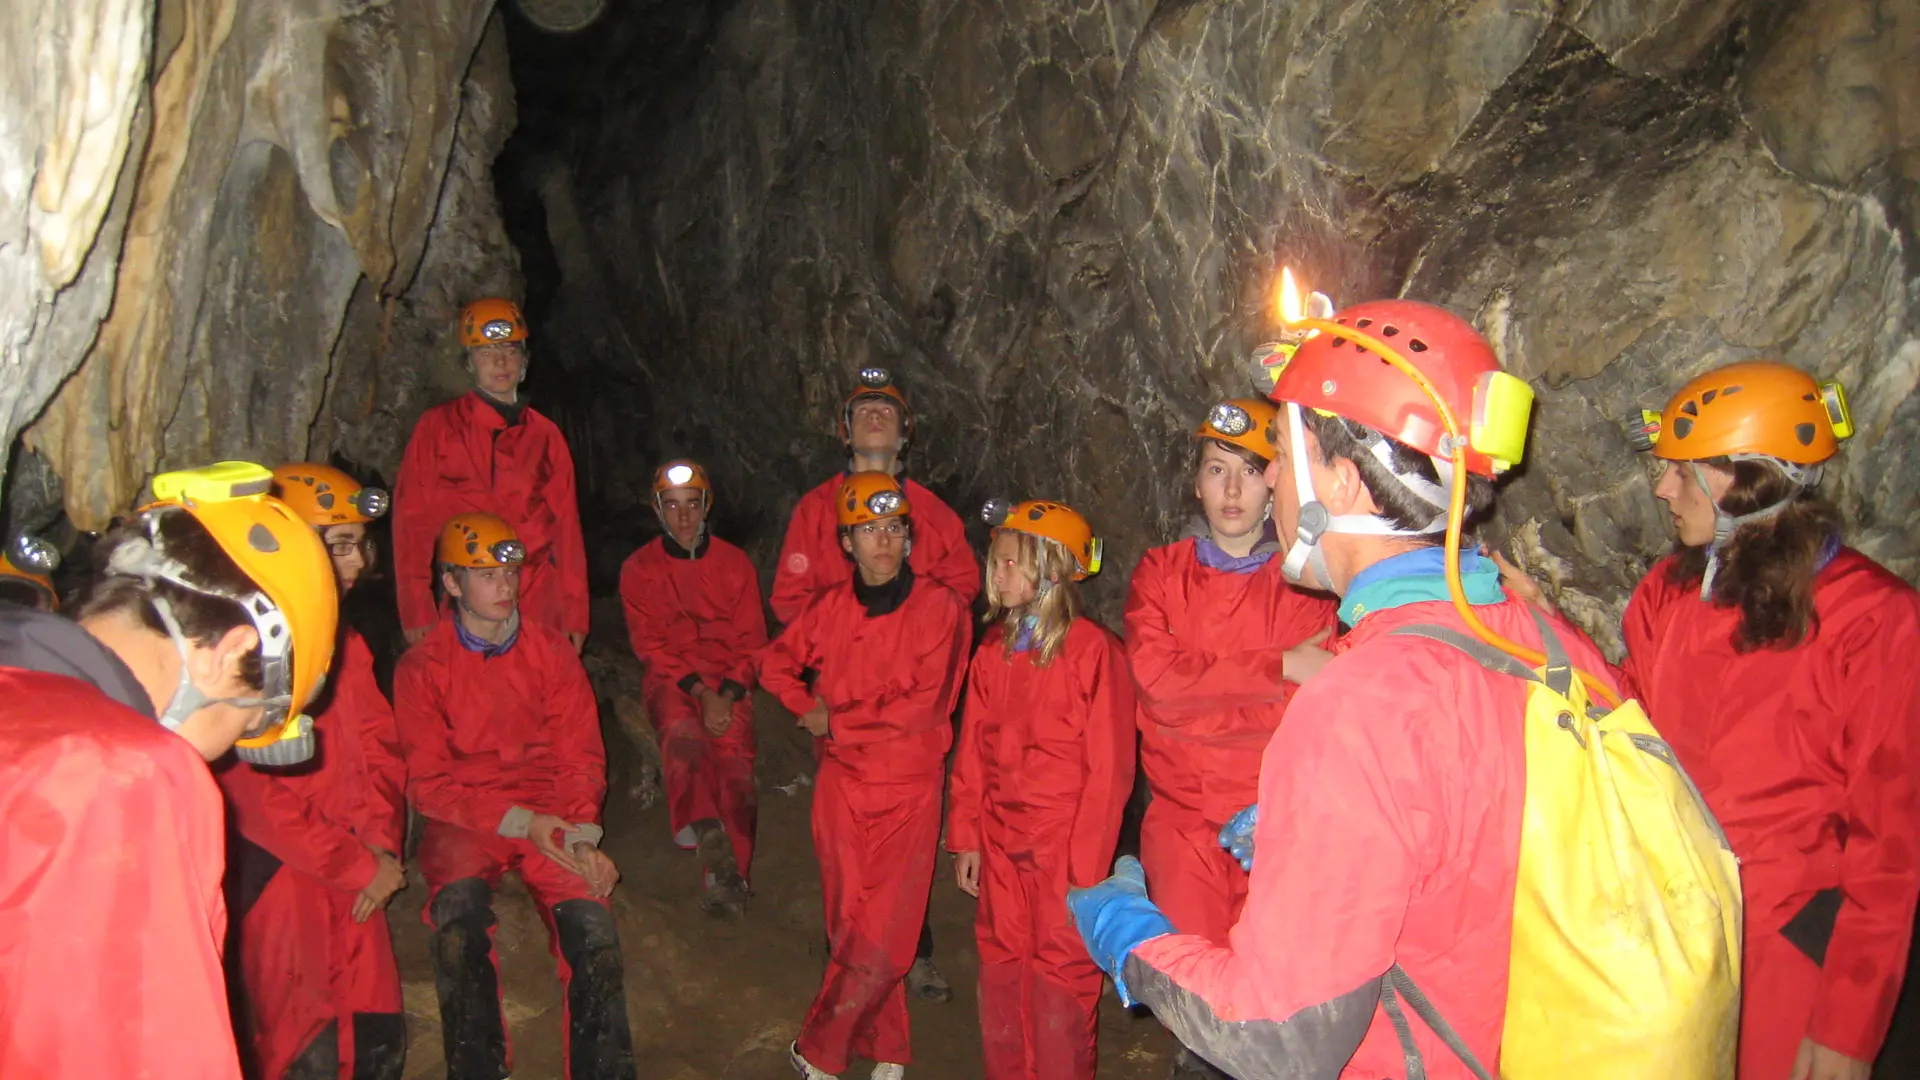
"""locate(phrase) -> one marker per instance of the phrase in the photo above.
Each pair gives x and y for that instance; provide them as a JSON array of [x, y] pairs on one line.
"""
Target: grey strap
[[1559, 668], [1482, 653], [1395, 984]]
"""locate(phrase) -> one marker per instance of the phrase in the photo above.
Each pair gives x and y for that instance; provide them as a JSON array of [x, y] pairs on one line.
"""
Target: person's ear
[[1346, 492], [450, 581], [221, 664], [846, 543]]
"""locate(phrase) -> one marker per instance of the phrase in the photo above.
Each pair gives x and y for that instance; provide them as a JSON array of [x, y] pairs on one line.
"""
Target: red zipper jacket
[[812, 562], [694, 620]]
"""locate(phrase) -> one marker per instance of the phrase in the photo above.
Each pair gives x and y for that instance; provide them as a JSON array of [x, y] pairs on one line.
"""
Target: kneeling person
[[505, 764]]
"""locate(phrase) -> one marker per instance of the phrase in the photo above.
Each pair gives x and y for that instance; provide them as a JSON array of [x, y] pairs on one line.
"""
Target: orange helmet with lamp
[[1248, 423], [32, 560], [326, 496], [296, 610], [1052, 521], [876, 384], [478, 541], [870, 496], [1757, 408], [491, 321], [681, 473]]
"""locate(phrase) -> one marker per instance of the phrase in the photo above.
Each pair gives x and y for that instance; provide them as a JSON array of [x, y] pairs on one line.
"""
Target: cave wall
[[1059, 222], [237, 228]]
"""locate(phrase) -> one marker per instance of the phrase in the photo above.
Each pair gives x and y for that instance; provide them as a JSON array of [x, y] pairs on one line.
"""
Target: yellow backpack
[[1626, 913]]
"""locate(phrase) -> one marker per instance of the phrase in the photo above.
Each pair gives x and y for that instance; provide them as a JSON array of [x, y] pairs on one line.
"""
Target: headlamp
[[371, 501], [508, 552], [497, 329], [1229, 419], [875, 378], [884, 503], [995, 511], [34, 555], [1643, 429], [1833, 397], [680, 475]]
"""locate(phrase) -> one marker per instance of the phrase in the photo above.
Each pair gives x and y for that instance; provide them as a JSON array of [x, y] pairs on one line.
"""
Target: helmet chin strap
[[1725, 524], [1306, 560]]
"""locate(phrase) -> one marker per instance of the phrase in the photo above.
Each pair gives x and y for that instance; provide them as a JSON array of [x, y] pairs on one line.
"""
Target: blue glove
[[1115, 916], [1237, 836]]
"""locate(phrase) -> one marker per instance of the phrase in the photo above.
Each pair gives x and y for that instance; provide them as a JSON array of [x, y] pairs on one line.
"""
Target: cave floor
[[714, 999]]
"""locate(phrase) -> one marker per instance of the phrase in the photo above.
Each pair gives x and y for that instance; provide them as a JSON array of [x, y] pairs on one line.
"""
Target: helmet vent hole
[[1803, 432], [1364, 323], [1416, 345], [1706, 398], [262, 540], [1681, 427], [1389, 331], [1690, 409], [1339, 341], [1803, 397], [1736, 389]]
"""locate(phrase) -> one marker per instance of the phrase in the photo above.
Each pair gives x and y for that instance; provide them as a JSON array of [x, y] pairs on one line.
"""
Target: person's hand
[[1115, 917], [1237, 836], [966, 871], [1816, 1062], [815, 719], [416, 635], [389, 877], [1305, 660], [544, 830], [597, 868], [716, 712], [1519, 583], [579, 641]]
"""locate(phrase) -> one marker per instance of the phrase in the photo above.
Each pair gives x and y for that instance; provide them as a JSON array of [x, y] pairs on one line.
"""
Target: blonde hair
[[1056, 602]]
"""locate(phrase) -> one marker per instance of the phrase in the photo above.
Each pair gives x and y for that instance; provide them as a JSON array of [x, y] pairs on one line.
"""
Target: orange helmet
[[1759, 408], [326, 496], [1248, 423], [681, 473], [297, 609], [32, 560], [876, 383], [490, 321], [476, 541], [870, 496], [1053, 521]]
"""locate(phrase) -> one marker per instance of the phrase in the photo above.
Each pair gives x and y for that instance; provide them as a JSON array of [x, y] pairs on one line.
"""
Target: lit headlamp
[[33, 555], [497, 329], [875, 378], [508, 552], [679, 475], [371, 501], [996, 511], [884, 503], [1229, 419]]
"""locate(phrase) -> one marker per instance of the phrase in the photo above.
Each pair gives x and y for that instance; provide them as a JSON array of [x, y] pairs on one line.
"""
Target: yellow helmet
[[297, 608], [32, 560]]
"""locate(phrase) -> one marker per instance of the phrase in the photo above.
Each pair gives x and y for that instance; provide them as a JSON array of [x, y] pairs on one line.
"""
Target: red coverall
[[484, 736], [695, 620], [1389, 832], [1206, 648], [812, 561], [890, 682], [302, 863], [111, 916], [465, 457], [1806, 756], [1040, 780]]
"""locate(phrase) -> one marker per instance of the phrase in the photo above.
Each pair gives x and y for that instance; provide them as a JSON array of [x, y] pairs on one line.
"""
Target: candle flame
[[1291, 310]]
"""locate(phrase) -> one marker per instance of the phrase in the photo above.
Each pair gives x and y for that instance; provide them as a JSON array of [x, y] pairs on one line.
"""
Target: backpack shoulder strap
[[1559, 670], [1397, 984]]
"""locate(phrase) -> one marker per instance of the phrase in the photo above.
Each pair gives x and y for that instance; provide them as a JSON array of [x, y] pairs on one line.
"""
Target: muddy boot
[[925, 980], [379, 1045], [804, 1067], [726, 890], [599, 1039], [1188, 1065], [321, 1059], [470, 1026]]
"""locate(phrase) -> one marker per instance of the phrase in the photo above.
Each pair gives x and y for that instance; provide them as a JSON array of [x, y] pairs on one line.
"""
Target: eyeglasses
[[340, 549], [881, 528]]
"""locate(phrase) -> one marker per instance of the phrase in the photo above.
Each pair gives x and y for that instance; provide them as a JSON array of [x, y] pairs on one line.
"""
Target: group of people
[[1337, 780]]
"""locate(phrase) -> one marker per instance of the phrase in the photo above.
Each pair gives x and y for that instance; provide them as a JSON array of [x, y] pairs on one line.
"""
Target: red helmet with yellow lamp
[[1051, 521]]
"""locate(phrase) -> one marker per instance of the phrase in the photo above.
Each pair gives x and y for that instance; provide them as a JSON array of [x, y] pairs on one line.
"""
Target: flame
[[1291, 310]]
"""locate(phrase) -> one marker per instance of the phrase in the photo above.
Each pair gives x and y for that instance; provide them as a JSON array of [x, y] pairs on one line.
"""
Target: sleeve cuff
[[733, 689], [584, 833], [515, 823], [688, 684]]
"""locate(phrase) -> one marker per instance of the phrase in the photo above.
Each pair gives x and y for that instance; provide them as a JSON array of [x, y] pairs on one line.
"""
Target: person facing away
[[694, 617], [487, 451], [1391, 799], [204, 628], [505, 764], [889, 649], [1040, 780], [1780, 665], [316, 855]]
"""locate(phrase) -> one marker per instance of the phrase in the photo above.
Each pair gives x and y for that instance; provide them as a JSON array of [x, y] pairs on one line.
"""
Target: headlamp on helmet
[[680, 475], [884, 503], [1229, 419], [33, 554], [371, 501], [875, 378], [508, 552], [497, 330], [995, 510]]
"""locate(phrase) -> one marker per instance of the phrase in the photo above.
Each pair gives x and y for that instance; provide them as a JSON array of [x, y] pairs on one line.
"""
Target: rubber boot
[[379, 1046], [321, 1058], [470, 1025], [727, 892], [923, 978], [599, 1040]]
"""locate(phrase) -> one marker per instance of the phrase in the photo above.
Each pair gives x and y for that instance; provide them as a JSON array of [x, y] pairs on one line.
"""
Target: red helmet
[[1336, 375]]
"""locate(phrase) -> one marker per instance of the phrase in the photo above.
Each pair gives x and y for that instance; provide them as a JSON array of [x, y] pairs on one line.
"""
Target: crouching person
[[693, 613], [889, 650], [505, 763]]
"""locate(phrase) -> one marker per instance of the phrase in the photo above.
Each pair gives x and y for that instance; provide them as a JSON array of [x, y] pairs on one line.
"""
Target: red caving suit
[[1206, 648], [465, 456], [1040, 781], [890, 682], [1807, 757], [812, 561], [695, 619], [485, 734], [302, 860], [1389, 832], [111, 842]]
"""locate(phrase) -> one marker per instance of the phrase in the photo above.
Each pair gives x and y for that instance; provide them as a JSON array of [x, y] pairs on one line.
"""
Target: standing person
[[876, 426], [889, 648], [1780, 664], [26, 573], [505, 763], [1218, 641], [1040, 781], [487, 451], [694, 615], [206, 615], [317, 853]]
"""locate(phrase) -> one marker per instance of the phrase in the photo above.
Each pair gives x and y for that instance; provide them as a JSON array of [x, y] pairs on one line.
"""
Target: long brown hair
[[1055, 605], [1766, 568]]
